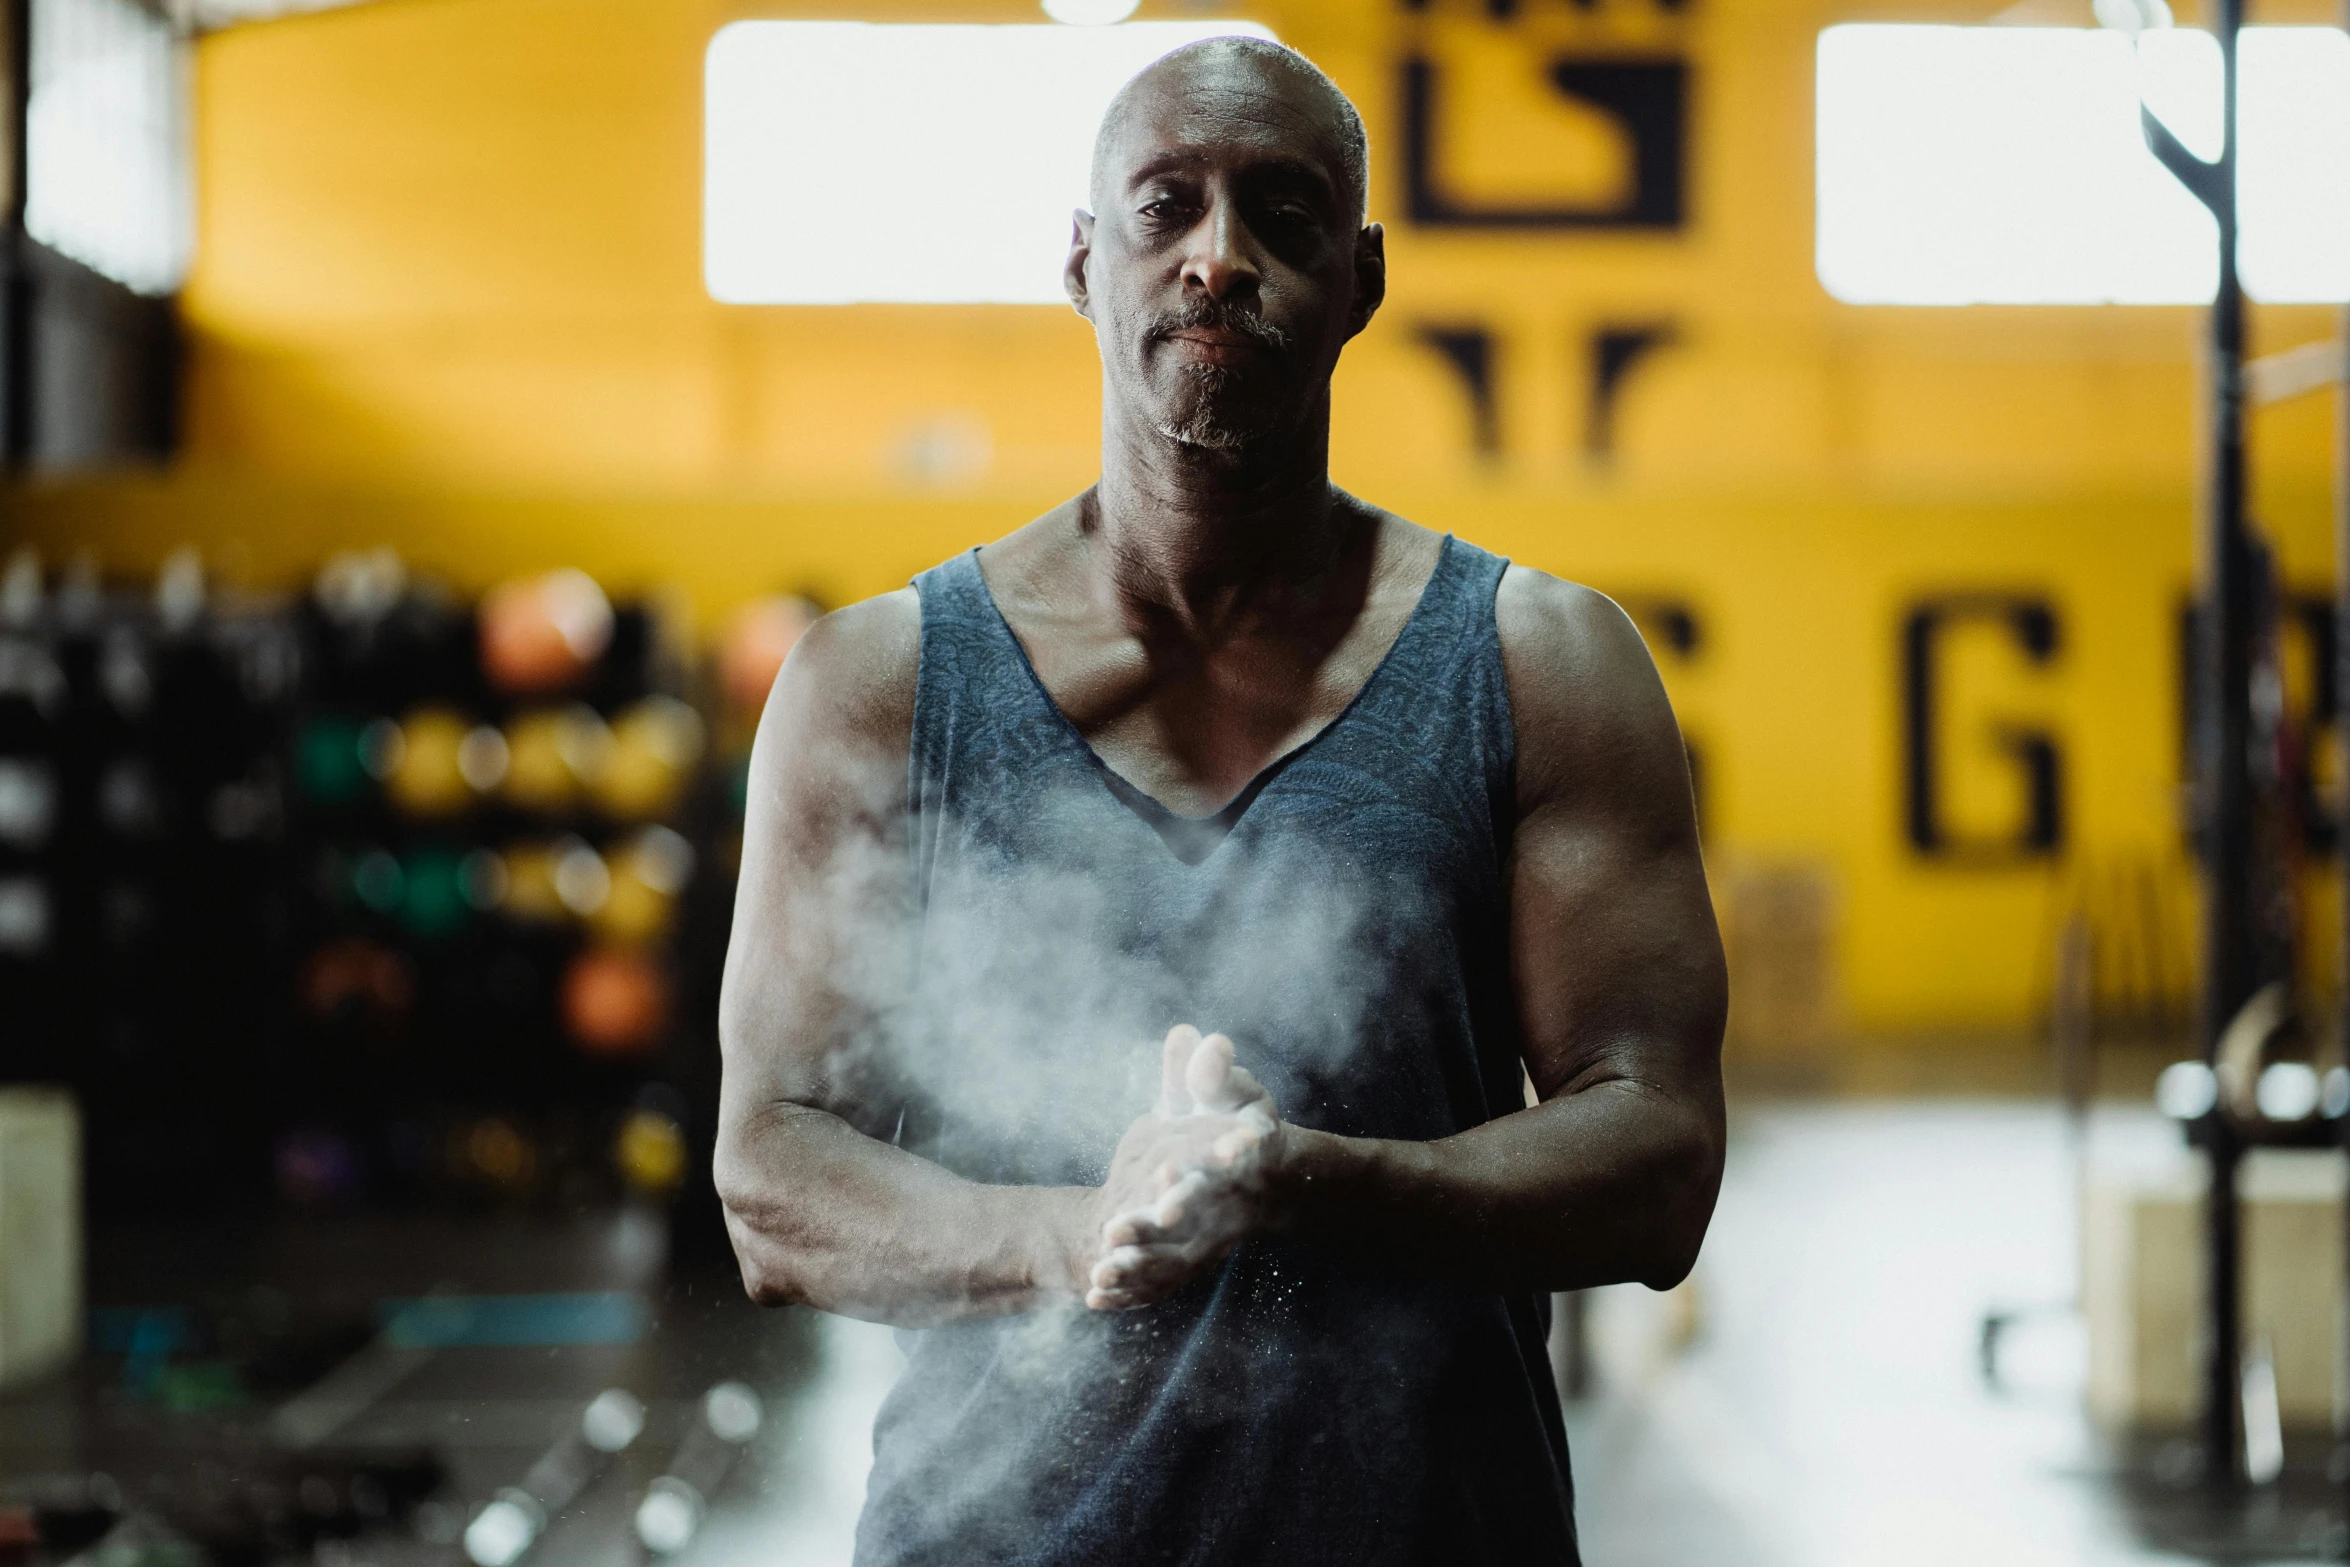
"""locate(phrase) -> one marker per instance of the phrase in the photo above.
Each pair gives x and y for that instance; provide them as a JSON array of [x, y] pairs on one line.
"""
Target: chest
[[1192, 724]]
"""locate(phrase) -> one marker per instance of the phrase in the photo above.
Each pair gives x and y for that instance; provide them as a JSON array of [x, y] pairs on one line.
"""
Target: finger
[[1209, 1217], [1236, 1146], [1155, 1276], [1123, 1300], [1174, 1068], [1168, 1210], [1117, 1268], [1142, 1228], [1210, 1074], [1139, 1276], [1196, 1237], [1250, 1096], [1133, 1268], [1139, 1227]]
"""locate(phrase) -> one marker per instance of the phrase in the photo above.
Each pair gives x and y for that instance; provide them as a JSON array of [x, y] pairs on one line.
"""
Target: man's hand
[[1189, 1181]]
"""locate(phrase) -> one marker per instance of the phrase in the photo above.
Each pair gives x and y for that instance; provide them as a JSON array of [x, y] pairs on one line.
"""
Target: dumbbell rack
[[179, 844], [451, 1079], [142, 886]]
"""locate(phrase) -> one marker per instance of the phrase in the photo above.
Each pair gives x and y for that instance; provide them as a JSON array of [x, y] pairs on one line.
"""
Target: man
[[1216, 746]]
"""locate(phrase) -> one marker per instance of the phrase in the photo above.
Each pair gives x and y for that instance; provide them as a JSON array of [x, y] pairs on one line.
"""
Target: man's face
[[1227, 265]]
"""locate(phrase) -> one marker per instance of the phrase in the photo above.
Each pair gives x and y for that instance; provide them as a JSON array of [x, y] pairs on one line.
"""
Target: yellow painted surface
[[449, 296]]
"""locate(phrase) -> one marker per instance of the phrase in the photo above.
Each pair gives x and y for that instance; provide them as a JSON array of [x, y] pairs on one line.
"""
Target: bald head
[[1231, 61], [1226, 263]]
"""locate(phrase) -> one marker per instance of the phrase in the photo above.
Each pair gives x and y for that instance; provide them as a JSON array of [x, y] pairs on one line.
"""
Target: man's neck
[[1198, 539]]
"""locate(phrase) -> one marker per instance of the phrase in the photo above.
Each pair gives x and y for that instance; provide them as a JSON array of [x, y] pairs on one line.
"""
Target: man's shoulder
[[1552, 618], [852, 674], [1582, 685], [856, 668], [877, 639]]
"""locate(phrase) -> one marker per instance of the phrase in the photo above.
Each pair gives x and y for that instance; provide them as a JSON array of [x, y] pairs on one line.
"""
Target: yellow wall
[[449, 296]]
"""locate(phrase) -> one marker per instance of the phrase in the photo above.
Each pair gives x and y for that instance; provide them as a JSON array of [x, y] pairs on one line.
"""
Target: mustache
[[1215, 315]]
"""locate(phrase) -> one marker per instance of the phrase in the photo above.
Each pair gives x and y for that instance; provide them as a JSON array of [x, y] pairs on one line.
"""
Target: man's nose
[[1219, 262]]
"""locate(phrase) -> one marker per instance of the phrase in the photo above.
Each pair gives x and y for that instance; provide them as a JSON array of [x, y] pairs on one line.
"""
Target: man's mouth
[[1215, 345]]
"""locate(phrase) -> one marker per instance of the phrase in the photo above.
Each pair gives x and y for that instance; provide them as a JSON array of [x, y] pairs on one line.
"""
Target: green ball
[[379, 881], [434, 902], [328, 761]]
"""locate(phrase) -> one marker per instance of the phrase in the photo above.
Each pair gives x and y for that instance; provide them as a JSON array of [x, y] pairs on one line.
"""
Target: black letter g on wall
[[2031, 625]]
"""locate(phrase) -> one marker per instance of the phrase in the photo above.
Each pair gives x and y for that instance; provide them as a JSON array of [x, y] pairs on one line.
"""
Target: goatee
[[1208, 425]]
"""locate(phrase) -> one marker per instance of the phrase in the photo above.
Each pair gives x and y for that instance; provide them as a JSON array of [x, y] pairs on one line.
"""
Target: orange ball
[[355, 971], [497, 1152], [614, 1001], [544, 633], [756, 642]]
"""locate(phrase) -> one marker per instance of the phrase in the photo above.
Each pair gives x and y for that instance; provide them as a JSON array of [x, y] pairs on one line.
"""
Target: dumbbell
[[675, 1504], [511, 1522]]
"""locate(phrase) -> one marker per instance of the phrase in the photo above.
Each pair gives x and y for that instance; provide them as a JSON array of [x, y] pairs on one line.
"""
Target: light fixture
[[846, 162], [107, 171], [1090, 13], [2005, 165]]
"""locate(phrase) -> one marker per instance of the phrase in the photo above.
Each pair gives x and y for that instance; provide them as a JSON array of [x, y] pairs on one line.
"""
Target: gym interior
[[430, 423]]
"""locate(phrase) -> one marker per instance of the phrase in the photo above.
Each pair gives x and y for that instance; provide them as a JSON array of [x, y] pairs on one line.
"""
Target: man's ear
[[1073, 270], [1370, 277]]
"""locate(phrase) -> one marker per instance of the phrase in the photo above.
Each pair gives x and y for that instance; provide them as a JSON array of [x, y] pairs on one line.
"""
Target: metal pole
[[2226, 676], [16, 284], [2342, 663]]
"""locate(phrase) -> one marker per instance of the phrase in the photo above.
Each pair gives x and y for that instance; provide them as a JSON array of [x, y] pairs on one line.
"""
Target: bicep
[[820, 897], [1614, 951], [1616, 961]]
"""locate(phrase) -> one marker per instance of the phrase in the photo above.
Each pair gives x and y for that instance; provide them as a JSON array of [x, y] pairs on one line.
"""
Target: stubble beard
[[1218, 409], [1211, 423]]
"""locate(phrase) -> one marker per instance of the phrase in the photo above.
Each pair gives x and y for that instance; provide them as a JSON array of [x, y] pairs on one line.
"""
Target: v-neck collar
[[1193, 839]]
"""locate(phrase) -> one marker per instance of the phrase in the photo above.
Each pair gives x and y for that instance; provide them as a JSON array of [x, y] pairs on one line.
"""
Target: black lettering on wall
[[1469, 351], [1502, 10], [2032, 624], [1614, 353], [1649, 99]]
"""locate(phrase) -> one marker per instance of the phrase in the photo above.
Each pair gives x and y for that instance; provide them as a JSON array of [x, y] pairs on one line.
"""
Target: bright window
[[2004, 165], [106, 146], [851, 161]]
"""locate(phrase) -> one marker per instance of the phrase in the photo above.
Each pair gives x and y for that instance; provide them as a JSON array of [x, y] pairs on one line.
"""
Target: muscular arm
[[821, 1210], [1620, 987]]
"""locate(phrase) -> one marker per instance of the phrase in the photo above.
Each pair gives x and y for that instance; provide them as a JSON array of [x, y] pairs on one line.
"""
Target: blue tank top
[[1345, 922]]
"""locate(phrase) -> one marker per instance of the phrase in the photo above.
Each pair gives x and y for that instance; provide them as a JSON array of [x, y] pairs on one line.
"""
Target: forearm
[[1611, 1184], [823, 1215]]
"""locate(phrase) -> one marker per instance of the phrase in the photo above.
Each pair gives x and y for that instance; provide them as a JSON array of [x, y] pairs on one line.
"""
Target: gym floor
[[1814, 1399]]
